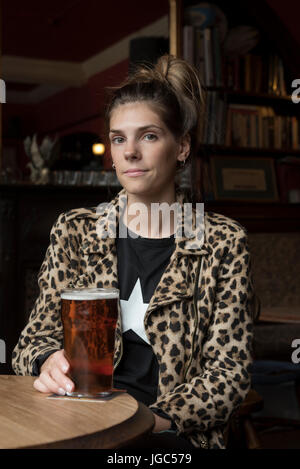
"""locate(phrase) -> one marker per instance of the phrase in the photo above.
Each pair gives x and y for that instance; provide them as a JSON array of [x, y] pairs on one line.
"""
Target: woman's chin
[[135, 186]]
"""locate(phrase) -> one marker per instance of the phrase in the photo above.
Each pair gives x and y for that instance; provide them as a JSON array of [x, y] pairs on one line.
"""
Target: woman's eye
[[151, 137], [117, 140]]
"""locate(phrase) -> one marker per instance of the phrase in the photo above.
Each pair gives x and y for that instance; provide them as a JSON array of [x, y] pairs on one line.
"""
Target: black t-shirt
[[141, 263]]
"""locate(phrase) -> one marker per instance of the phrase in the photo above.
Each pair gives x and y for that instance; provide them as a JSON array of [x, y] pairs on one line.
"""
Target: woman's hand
[[53, 376]]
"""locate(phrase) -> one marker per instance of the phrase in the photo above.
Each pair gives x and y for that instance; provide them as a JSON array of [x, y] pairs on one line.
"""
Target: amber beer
[[89, 319]]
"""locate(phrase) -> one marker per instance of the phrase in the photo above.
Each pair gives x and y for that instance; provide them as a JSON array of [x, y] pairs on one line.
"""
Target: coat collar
[[177, 281], [190, 235]]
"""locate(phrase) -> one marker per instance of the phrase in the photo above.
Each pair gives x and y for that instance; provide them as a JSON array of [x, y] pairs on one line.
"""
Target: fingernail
[[65, 368], [61, 391], [69, 387]]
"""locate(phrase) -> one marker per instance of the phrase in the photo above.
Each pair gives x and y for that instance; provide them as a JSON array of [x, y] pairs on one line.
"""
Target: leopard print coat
[[199, 319]]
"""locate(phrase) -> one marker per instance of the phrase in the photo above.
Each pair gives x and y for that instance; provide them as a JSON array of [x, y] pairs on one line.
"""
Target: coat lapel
[[178, 280], [98, 247]]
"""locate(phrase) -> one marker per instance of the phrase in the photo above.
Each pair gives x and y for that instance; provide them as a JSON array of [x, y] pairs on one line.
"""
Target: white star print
[[133, 312]]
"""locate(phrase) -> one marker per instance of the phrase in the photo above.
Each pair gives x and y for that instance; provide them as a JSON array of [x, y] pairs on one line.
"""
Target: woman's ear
[[185, 147]]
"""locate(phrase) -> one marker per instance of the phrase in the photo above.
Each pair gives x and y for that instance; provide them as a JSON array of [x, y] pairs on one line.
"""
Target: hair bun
[[173, 86], [162, 66]]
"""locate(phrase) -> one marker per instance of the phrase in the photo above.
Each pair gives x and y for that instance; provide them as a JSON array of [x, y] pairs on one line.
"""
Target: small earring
[[113, 166], [182, 163]]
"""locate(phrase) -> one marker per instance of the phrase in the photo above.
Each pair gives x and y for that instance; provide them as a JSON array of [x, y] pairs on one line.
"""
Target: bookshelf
[[250, 113]]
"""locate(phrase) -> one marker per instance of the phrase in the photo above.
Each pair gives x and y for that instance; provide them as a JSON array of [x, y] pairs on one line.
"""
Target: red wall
[[63, 111], [80, 109], [288, 12], [72, 110]]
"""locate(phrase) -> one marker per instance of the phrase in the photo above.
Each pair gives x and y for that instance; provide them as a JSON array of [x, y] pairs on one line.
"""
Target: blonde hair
[[173, 88]]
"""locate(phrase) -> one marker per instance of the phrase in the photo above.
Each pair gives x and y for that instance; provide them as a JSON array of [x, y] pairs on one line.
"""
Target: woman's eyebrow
[[144, 127]]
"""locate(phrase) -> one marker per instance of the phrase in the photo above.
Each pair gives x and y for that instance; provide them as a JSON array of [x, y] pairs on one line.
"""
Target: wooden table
[[29, 420]]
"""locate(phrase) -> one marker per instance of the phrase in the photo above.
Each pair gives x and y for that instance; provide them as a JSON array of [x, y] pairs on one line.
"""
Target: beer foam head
[[86, 294]]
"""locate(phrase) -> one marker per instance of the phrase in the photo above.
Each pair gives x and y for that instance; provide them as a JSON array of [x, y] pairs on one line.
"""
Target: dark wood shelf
[[29, 188], [246, 151], [242, 94]]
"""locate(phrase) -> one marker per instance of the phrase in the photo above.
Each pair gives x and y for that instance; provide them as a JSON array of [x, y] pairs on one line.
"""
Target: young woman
[[185, 351]]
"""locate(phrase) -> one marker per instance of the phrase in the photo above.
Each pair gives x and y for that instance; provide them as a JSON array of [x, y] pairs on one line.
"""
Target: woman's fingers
[[53, 376], [48, 384], [61, 361], [39, 386], [61, 379]]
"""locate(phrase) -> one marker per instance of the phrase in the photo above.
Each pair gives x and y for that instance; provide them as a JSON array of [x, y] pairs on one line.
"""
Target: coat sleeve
[[208, 399], [43, 332]]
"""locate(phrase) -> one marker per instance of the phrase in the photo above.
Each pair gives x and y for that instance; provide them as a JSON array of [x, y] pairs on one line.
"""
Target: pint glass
[[89, 319]]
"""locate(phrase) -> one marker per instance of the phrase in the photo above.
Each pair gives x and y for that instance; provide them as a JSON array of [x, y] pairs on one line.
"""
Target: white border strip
[[2, 91]]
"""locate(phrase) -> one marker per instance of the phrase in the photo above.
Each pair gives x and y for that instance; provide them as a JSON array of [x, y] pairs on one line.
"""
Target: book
[[188, 44], [199, 53], [282, 85], [242, 125], [217, 61], [271, 128], [236, 74], [247, 73], [257, 75], [208, 58], [270, 74]]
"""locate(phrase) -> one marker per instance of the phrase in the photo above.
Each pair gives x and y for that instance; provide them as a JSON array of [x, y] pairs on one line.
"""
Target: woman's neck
[[150, 218]]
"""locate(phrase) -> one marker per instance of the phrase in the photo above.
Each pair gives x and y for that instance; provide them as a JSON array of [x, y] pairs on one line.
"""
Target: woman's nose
[[131, 151]]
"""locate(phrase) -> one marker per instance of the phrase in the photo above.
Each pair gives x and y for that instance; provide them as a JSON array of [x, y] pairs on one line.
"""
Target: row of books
[[250, 72], [256, 74], [248, 125], [260, 127], [201, 48]]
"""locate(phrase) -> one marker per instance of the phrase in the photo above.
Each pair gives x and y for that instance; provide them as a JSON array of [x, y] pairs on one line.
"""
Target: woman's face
[[140, 141]]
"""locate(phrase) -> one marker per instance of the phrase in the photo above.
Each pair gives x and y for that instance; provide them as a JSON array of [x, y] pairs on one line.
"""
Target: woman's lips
[[134, 173]]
